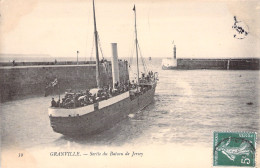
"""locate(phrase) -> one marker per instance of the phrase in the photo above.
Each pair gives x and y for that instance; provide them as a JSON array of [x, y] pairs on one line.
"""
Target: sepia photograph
[[129, 83]]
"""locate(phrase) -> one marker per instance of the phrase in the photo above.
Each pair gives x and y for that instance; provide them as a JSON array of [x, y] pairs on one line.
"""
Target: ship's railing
[[77, 100], [74, 112], [63, 112], [113, 100]]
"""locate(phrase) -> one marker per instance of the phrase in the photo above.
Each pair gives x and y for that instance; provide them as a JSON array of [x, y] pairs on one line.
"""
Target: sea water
[[176, 128]]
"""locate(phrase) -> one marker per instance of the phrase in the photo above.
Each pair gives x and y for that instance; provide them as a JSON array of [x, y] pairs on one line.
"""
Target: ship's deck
[[64, 112]]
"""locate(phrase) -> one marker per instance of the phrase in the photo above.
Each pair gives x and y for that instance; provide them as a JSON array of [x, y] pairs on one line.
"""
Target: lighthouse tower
[[174, 52]]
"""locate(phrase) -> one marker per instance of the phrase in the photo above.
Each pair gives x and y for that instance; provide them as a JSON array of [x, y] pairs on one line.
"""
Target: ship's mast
[[136, 43], [96, 44]]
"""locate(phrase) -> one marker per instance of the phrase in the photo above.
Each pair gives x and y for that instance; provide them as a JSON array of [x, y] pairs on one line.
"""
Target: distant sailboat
[[105, 110]]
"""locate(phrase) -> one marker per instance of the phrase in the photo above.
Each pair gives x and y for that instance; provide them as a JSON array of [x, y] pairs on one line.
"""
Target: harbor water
[[189, 105]]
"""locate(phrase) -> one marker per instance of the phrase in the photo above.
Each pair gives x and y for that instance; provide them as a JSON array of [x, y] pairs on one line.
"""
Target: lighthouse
[[170, 63]]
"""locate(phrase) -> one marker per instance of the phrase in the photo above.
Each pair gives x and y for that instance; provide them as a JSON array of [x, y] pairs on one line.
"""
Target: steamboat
[[100, 109]]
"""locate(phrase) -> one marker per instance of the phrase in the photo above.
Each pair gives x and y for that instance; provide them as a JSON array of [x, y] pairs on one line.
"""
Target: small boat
[[103, 110]]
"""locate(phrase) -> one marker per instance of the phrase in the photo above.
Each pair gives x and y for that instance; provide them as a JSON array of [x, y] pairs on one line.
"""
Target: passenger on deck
[[84, 98], [125, 87], [94, 98], [143, 75], [70, 103], [53, 103], [58, 103], [121, 87], [141, 89], [133, 85], [110, 90], [63, 101], [88, 93], [148, 78], [144, 89], [86, 101], [117, 85]]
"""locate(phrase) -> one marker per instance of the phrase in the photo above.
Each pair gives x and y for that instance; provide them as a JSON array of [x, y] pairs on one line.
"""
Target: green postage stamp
[[234, 149]]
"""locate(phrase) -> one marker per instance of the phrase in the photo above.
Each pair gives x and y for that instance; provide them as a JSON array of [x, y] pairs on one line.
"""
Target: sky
[[199, 29]]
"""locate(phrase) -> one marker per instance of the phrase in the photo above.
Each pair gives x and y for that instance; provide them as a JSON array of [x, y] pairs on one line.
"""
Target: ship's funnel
[[174, 52], [115, 69]]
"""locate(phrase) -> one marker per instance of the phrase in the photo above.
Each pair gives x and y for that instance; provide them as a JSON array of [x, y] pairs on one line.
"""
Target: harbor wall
[[45, 63], [27, 81], [222, 64]]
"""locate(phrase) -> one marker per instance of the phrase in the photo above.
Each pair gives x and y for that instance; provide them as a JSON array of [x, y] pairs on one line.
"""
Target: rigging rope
[[131, 56], [103, 63], [91, 54], [100, 46], [130, 59], [143, 61]]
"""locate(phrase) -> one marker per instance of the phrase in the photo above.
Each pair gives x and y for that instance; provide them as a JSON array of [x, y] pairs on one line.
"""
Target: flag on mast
[[55, 82], [134, 8], [50, 87]]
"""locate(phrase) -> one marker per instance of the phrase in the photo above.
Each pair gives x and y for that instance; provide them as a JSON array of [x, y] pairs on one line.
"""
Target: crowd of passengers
[[84, 98]]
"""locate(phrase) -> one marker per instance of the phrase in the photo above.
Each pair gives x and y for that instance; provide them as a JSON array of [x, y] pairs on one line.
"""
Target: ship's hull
[[102, 118]]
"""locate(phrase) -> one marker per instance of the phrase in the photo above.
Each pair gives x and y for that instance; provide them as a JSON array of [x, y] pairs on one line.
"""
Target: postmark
[[234, 149], [241, 30]]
